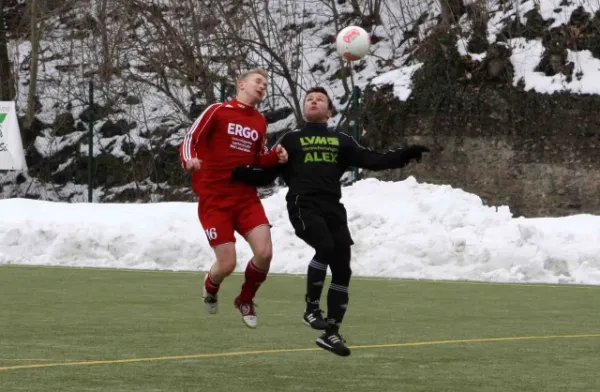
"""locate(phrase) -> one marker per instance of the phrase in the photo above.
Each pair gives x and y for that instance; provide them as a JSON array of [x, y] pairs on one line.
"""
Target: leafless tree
[[252, 33], [331, 4], [7, 90], [37, 10], [174, 46]]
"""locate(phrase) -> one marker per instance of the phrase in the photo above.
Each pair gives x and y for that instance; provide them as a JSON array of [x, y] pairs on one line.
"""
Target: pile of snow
[[401, 229]]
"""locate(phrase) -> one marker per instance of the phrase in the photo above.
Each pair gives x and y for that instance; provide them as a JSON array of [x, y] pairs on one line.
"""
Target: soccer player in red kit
[[224, 136]]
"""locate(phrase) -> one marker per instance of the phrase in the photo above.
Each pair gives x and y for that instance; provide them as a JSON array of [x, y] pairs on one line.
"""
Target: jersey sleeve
[[266, 158], [363, 157], [198, 133]]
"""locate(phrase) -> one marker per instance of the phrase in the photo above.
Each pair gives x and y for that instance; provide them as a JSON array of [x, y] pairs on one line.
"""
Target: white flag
[[12, 155]]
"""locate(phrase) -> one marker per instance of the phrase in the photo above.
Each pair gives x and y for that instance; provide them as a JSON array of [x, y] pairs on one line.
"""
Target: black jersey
[[318, 157]]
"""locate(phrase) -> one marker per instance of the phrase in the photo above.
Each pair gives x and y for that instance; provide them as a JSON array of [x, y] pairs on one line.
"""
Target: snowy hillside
[[548, 28], [154, 69]]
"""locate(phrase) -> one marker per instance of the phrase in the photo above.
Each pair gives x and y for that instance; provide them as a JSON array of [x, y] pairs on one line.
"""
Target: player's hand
[[282, 154], [192, 165], [414, 152]]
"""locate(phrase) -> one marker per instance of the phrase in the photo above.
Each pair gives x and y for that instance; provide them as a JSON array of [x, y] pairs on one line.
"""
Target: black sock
[[315, 280], [337, 297], [337, 303]]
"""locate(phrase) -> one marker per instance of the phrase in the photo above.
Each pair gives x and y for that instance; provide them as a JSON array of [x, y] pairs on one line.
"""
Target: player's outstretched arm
[[255, 176], [363, 157]]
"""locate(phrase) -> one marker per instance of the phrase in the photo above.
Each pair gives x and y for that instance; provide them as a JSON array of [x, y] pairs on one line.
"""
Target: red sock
[[254, 278], [211, 287]]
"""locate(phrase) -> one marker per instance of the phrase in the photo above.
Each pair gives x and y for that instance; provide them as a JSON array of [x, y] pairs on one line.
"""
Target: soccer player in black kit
[[317, 159]]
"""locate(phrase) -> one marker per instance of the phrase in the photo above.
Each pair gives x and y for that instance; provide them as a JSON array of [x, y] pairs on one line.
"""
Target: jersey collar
[[237, 104], [316, 126]]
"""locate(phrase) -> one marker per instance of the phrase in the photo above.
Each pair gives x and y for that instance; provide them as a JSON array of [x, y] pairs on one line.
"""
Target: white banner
[[12, 155]]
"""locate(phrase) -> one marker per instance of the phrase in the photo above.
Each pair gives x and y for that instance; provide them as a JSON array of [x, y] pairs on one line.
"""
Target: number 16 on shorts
[[211, 234]]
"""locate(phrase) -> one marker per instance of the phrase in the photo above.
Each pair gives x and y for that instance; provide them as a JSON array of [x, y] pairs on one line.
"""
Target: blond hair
[[259, 71]]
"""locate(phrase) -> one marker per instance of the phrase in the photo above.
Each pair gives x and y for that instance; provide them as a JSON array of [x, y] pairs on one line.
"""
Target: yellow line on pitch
[[295, 350], [479, 340]]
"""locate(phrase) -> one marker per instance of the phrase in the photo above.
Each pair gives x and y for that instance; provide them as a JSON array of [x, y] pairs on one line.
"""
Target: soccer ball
[[353, 43]]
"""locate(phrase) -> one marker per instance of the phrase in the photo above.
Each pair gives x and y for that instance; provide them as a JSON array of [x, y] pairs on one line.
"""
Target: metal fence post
[[91, 143], [355, 100]]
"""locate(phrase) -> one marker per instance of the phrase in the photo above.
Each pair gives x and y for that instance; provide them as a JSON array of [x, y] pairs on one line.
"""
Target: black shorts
[[319, 223]]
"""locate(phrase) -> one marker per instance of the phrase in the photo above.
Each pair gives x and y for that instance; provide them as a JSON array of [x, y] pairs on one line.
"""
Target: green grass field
[[68, 329]]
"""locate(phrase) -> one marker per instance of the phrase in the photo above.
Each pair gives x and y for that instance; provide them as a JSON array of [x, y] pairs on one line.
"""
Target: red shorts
[[220, 217]]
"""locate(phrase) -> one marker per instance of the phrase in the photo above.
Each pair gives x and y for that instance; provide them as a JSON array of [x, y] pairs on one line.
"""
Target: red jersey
[[226, 135]]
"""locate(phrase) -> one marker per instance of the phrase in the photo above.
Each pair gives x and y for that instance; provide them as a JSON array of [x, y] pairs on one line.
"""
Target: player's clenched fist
[[192, 165], [282, 154]]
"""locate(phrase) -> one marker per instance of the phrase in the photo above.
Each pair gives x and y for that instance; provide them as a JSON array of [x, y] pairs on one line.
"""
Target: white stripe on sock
[[337, 287], [316, 265]]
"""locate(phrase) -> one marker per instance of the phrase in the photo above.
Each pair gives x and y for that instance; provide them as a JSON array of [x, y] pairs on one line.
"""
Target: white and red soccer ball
[[353, 43]]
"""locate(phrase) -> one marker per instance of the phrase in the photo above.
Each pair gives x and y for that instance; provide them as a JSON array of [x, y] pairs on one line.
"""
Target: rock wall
[[537, 153]]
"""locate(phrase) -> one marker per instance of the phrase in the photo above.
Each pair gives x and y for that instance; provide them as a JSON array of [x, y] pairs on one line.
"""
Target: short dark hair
[[319, 89]]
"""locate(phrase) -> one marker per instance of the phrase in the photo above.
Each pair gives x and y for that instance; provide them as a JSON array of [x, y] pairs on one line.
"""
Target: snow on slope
[[527, 53], [63, 79]]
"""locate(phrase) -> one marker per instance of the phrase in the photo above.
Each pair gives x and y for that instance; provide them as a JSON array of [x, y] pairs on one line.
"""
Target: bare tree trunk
[[199, 66], [451, 10], [375, 11], [36, 20], [7, 90], [105, 65], [336, 21], [355, 7]]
